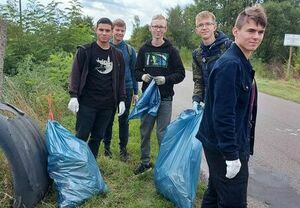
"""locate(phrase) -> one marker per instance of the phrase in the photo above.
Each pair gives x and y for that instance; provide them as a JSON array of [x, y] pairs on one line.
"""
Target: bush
[[34, 83]]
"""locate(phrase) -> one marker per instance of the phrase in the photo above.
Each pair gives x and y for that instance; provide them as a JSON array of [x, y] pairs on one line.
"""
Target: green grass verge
[[125, 189], [288, 90]]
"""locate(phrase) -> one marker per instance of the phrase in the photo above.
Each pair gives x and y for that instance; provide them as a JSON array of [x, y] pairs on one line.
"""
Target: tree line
[[44, 30], [283, 18]]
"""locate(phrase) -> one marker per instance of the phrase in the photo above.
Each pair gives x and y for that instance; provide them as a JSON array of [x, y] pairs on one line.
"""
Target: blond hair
[[159, 17], [205, 14], [119, 22]]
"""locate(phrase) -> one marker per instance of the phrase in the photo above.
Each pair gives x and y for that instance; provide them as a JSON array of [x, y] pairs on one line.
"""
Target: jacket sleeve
[[198, 80], [122, 94], [178, 71], [226, 85], [139, 66], [132, 68], [75, 76]]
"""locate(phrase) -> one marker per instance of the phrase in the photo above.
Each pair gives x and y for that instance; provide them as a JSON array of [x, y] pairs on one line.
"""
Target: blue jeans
[[162, 119], [222, 192], [92, 122], [123, 124]]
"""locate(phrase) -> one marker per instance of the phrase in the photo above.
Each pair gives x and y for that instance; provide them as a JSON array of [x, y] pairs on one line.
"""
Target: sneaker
[[142, 168], [107, 153]]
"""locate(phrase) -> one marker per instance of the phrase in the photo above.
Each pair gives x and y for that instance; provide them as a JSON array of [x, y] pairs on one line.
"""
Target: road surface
[[275, 167]]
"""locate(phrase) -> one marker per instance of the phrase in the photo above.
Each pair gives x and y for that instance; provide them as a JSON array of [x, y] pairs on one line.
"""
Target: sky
[[124, 9]]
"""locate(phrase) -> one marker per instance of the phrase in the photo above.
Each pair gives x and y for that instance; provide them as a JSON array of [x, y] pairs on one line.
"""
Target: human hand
[[233, 167], [147, 78], [196, 107], [135, 99], [122, 108], [202, 104], [73, 105], [160, 80]]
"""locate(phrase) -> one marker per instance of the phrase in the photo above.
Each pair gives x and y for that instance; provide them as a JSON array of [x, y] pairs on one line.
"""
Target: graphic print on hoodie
[[156, 59]]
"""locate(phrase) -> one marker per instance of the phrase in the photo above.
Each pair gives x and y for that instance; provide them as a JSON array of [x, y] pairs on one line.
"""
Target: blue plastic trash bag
[[72, 166], [177, 167], [148, 103]]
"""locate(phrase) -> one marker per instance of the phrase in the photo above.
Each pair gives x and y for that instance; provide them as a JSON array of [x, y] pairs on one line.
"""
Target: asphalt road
[[275, 166]]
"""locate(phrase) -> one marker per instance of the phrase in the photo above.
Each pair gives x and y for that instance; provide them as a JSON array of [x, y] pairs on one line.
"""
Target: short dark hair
[[255, 13], [104, 20]]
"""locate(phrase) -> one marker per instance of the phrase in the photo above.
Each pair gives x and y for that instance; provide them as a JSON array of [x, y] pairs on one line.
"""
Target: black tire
[[25, 149]]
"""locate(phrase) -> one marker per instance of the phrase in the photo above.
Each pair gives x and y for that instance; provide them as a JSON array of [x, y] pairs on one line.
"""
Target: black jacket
[[160, 61], [80, 70]]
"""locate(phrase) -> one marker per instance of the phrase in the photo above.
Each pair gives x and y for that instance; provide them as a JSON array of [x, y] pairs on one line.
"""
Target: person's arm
[[198, 80], [225, 84], [122, 93], [178, 73], [75, 76], [140, 73], [132, 68]]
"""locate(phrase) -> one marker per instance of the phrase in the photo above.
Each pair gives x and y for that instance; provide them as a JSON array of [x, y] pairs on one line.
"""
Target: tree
[[283, 17], [178, 30], [137, 22], [2, 51], [139, 36]]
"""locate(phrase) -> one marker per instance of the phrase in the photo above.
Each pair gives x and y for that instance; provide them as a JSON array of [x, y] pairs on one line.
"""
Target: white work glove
[[160, 80], [135, 99], [73, 105], [147, 78], [196, 107], [233, 167], [121, 109], [202, 105]]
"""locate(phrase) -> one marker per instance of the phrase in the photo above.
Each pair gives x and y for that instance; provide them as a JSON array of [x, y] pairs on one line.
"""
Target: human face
[[248, 37], [205, 28], [103, 32], [158, 28], [118, 33]]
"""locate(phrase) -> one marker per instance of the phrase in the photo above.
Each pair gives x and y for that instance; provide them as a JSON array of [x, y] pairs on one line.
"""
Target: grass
[[125, 189], [286, 89], [6, 183]]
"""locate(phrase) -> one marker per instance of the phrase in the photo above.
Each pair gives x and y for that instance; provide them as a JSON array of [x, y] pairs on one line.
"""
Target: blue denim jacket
[[225, 126]]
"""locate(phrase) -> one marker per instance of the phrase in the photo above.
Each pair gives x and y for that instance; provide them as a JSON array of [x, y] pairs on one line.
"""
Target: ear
[[235, 31], [215, 27], [149, 28]]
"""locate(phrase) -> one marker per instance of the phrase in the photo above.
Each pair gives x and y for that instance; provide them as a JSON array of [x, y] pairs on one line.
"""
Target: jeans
[[92, 122], [162, 119], [123, 124], [222, 192]]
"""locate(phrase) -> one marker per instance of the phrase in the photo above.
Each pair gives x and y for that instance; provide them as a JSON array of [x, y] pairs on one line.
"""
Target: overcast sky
[[124, 9]]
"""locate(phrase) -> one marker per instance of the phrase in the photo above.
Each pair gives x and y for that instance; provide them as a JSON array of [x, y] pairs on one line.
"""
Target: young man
[[159, 60], [213, 45], [227, 127], [119, 29], [97, 86]]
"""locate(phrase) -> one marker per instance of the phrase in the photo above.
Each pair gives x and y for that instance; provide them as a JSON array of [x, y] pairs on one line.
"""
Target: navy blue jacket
[[226, 126], [204, 58], [129, 59]]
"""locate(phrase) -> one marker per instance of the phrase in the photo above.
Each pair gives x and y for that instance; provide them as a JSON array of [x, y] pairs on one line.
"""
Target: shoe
[[107, 153], [124, 156], [142, 168]]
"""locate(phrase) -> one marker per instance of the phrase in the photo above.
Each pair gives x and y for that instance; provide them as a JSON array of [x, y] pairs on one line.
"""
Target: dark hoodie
[[160, 61], [204, 59]]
